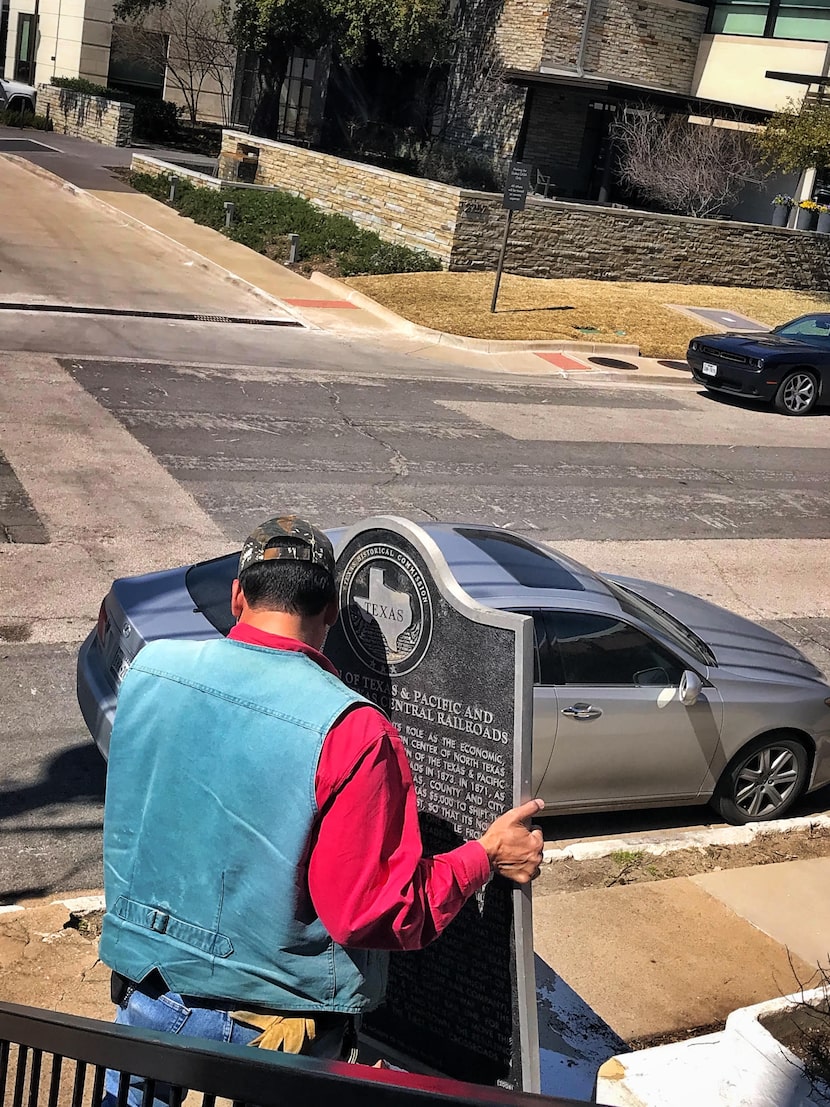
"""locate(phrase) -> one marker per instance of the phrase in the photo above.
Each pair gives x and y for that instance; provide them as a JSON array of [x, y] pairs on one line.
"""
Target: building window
[[793, 19], [295, 97], [4, 34], [24, 69]]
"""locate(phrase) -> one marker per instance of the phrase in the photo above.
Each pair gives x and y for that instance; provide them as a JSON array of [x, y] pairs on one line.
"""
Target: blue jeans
[[171, 1014]]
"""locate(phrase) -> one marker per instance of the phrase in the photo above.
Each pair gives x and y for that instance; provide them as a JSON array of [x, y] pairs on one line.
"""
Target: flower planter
[[748, 1064], [806, 220], [780, 215], [823, 226]]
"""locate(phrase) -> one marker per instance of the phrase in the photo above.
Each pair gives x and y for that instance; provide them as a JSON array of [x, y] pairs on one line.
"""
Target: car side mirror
[[690, 688]]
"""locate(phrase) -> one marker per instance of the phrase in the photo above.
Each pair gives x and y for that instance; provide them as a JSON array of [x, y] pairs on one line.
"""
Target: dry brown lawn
[[529, 308]]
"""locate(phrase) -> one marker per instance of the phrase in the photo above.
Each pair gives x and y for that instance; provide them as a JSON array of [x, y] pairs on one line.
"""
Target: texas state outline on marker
[[390, 609]]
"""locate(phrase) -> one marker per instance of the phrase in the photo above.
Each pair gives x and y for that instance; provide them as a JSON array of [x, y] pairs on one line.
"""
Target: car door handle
[[582, 711]]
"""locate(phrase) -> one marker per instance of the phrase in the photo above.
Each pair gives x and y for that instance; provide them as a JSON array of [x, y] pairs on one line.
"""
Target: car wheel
[[797, 393], [763, 780]]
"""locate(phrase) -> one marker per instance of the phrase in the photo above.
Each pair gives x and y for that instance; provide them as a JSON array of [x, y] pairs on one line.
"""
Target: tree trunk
[[265, 121]]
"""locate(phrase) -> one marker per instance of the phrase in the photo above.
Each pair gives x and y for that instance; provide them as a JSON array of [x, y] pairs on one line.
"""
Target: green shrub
[[155, 120], [157, 187], [202, 205], [25, 119], [79, 84], [263, 220], [475, 169]]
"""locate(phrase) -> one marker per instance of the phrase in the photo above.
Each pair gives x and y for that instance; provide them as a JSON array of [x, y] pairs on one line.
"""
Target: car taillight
[[102, 622]]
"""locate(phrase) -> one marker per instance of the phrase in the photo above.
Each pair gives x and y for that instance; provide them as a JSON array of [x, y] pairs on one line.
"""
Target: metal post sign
[[517, 186], [516, 189]]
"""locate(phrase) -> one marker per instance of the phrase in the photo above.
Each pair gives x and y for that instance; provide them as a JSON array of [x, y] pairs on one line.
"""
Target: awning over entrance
[[566, 130], [619, 91]]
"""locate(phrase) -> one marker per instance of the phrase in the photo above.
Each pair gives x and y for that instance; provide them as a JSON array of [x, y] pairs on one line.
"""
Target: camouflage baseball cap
[[287, 538]]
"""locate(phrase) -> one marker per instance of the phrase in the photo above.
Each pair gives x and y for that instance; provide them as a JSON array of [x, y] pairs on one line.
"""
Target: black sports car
[[789, 365]]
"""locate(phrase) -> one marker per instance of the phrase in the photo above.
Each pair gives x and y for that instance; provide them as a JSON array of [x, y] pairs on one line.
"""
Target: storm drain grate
[[612, 363], [135, 313]]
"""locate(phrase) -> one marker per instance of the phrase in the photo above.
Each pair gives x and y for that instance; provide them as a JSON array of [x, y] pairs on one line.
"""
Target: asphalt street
[[132, 445]]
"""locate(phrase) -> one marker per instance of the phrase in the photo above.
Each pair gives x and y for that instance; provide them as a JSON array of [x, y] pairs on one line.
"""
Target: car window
[[525, 563], [547, 668], [209, 584], [656, 619], [603, 650], [811, 326]]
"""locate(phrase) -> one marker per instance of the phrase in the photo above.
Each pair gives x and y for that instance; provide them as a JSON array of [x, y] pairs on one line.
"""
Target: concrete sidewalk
[[321, 304], [651, 960], [661, 958]]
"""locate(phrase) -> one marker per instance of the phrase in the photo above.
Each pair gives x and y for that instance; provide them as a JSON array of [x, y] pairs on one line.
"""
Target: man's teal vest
[[209, 811]]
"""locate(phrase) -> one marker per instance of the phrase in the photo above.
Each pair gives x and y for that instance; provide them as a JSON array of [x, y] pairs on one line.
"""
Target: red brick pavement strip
[[560, 361], [319, 303]]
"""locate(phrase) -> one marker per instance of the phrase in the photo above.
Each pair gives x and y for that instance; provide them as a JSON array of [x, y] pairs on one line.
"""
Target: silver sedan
[[644, 696]]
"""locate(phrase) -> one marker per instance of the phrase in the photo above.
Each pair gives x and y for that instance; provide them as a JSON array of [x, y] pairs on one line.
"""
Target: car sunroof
[[526, 564]]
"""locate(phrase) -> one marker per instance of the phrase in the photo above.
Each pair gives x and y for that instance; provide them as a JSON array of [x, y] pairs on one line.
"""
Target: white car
[[15, 96]]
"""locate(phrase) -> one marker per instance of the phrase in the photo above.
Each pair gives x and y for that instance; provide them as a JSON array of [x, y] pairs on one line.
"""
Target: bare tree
[[690, 168], [190, 40]]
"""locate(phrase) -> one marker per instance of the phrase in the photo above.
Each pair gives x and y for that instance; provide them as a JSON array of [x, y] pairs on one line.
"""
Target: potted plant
[[823, 219], [807, 216], [781, 206]]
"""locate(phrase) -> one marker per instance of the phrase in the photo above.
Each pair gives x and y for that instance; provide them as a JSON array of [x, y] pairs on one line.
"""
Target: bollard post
[[173, 182], [230, 208], [293, 242]]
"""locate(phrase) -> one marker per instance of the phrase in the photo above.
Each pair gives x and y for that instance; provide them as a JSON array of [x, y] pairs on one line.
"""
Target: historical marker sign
[[456, 679], [517, 186], [516, 189]]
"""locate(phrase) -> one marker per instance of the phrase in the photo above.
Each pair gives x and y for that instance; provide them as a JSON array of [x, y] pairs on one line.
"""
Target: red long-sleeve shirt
[[368, 878]]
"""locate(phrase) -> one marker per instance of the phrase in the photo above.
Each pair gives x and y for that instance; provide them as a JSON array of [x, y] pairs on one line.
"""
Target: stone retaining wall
[[568, 240], [109, 122], [405, 210], [548, 239], [154, 167]]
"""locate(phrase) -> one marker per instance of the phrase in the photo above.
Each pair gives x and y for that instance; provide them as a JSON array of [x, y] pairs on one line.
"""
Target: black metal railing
[[54, 1060]]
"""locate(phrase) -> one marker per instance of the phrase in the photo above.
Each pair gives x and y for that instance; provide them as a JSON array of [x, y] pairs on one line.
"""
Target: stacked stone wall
[[548, 239], [650, 41], [520, 33], [563, 33], [569, 240], [108, 122], [401, 209]]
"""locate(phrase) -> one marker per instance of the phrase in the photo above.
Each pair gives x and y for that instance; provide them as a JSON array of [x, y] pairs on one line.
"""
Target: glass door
[[24, 65]]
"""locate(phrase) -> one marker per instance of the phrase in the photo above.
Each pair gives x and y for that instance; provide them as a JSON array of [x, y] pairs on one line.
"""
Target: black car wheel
[[762, 781], [797, 393]]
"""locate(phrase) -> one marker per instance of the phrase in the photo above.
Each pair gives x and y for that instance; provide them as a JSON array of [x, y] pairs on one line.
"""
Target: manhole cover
[[25, 144], [611, 363]]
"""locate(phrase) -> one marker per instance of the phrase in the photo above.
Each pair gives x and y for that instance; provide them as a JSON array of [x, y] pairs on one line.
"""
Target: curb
[[361, 300], [460, 342], [191, 254], [76, 905], [694, 839]]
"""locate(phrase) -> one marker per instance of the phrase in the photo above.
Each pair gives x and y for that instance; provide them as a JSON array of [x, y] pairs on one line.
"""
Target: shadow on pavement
[[74, 775], [618, 824]]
